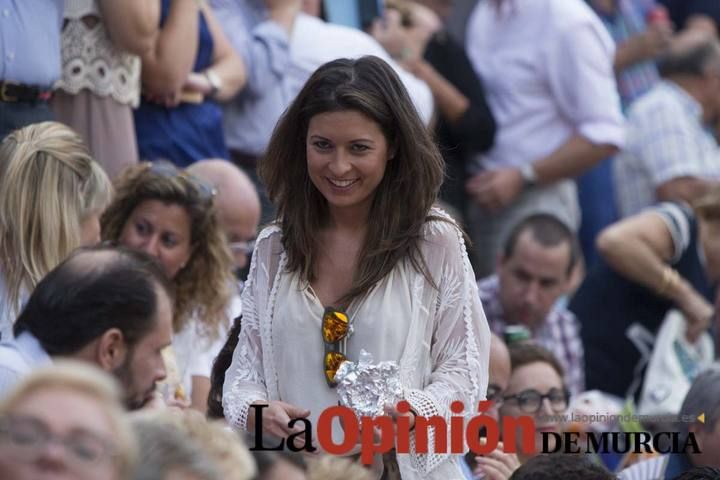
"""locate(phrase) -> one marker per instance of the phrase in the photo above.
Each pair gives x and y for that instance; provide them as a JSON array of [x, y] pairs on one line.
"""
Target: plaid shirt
[[560, 333]]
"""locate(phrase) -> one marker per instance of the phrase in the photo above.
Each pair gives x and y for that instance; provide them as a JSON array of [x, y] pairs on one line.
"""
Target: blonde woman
[[225, 449], [51, 196], [92, 432], [170, 214]]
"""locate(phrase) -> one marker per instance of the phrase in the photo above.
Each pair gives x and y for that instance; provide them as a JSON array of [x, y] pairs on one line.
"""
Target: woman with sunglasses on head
[[357, 243], [52, 193], [170, 214], [535, 389]]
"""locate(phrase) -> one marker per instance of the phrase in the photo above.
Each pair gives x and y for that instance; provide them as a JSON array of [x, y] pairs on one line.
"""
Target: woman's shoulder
[[440, 227], [269, 233]]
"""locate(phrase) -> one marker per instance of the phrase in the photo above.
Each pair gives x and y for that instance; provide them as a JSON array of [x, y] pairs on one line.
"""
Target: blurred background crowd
[[582, 157]]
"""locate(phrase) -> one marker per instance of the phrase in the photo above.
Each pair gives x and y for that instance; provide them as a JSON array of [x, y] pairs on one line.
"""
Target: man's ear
[[111, 349]]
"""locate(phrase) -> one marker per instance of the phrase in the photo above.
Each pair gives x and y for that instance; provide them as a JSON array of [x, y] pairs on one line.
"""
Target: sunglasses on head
[[205, 190], [335, 329]]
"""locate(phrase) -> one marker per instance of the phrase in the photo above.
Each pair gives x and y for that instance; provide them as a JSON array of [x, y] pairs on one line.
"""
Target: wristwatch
[[529, 175], [214, 80]]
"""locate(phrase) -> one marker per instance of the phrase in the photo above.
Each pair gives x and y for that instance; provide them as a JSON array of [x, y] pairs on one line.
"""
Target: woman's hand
[[497, 465], [275, 418], [697, 311]]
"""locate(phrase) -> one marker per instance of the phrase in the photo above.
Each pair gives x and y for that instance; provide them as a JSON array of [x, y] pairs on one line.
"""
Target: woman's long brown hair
[[403, 198]]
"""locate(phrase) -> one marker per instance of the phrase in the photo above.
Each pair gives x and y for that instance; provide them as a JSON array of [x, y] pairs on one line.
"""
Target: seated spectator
[[664, 258], [238, 206], [566, 467], [279, 465], [327, 467], [51, 196], [107, 307], [171, 215], [65, 421], [168, 453], [497, 383], [702, 398], [190, 68], [536, 376], [670, 155], [222, 446], [533, 272]]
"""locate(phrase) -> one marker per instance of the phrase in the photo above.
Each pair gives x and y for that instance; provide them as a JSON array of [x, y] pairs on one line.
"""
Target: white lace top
[[439, 337], [91, 61]]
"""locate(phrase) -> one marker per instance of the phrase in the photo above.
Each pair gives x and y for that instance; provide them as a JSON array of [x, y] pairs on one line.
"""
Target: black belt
[[15, 92]]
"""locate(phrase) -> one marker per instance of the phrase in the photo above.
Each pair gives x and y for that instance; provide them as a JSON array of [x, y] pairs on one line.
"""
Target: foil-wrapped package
[[367, 387]]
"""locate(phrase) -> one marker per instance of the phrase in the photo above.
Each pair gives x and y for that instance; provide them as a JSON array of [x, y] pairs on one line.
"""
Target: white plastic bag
[[673, 366]]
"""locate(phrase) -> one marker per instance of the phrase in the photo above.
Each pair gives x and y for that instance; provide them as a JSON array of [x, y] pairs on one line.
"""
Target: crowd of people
[[208, 206]]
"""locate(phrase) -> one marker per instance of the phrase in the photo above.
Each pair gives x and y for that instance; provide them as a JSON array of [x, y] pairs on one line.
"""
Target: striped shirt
[[628, 22], [560, 333], [666, 139]]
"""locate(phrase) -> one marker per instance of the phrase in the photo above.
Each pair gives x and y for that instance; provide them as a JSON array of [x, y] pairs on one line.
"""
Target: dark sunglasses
[[335, 329], [205, 190]]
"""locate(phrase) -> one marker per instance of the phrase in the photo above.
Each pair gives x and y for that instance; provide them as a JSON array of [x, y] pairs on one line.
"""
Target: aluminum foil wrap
[[367, 387]]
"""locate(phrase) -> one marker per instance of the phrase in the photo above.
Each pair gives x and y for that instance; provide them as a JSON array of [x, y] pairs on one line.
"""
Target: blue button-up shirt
[[30, 41], [19, 357], [264, 47]]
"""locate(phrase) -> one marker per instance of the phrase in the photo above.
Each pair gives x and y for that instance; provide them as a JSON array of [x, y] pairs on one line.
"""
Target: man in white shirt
[[670, 153], [108, 307], [548, 70]]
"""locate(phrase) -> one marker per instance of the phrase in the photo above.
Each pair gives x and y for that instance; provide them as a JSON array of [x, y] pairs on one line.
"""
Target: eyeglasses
[[28, 436], [242, 247], [205, 190], [335, 329], [530, 401], [494, 394]]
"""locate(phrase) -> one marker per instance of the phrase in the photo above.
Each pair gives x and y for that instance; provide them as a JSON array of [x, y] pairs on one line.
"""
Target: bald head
[[237, 202], [499, 366]]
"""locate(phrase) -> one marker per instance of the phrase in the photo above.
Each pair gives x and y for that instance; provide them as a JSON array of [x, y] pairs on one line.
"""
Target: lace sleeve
[[460, 345], [244, 380]]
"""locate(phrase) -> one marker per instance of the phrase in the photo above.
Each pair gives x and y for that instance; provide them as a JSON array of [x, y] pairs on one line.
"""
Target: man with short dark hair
[[110, 307], [532, 273], [670, 154]]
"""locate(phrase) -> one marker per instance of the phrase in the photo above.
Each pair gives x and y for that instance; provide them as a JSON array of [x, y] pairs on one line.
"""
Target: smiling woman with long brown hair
[[354, 176]]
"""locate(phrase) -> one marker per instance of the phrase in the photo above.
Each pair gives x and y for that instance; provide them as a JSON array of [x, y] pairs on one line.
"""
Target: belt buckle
[[4, 96]]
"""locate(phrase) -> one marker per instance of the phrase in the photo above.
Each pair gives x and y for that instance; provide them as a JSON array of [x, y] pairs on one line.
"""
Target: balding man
[[106, 306], [670, 155], [500, 370], [237, 202]]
